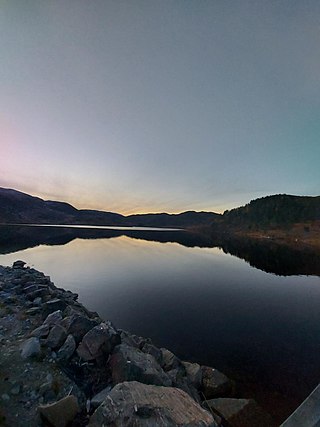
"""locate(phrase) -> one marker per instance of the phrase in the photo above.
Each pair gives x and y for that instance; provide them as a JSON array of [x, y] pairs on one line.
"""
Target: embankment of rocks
[[62, 365]]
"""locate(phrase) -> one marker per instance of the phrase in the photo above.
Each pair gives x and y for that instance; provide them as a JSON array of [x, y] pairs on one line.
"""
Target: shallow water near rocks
[[203, 304]]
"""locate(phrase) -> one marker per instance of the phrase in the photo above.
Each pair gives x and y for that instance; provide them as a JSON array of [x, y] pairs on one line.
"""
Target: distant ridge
[[278, 210], [21, 208]]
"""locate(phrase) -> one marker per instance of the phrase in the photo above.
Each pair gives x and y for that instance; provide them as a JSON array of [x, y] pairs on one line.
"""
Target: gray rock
[[37, 301], [39, 293], [79, 326], [33, 311], [54, 318], [215, 383], [194, 373], [30, 289], [129, 339], [18, 264], [131, 364], [31, 347], [241, 412], [169, 360], [136, 404], [180, 380], [98, 342], [54, 305], [60, 413], [41, 332], [68, 348], [100, 397], [154, 351], [56, 337]]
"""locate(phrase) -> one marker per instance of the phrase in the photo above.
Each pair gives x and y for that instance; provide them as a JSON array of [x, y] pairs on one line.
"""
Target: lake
[[189, 294]]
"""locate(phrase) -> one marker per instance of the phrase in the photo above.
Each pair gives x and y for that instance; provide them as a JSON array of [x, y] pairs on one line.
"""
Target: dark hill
[[274, 211], [185, 219], [20, 208]]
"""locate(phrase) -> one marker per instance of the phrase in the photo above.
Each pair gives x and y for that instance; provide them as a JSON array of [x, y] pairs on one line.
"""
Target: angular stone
[[154, 351], [54, 305], [60, 413], [100, 397], [68, 348], [54, 318], [169, 360], [215, 383], [30, 289], [131, 340], [33, 311], [241, 412], [18, 264], [37, 301], [79, 326], [56, 337], [180, 380], [136, 404], [131, 364], [41, 332], [98, 342], [194, 373], [38, 293], [31, 347]]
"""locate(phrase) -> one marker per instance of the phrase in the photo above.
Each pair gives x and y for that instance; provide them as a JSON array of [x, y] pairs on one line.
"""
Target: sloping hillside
[[21, 208], [277, 210]]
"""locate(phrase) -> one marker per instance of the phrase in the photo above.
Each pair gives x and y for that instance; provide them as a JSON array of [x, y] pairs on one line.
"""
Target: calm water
[[204, 304]]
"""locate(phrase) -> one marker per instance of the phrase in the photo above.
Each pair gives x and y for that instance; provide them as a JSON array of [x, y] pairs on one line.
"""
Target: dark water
[[260, 325]]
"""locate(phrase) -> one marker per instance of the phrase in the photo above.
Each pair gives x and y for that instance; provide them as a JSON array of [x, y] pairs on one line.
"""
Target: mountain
[[279, 211], [274, 211], [185, 219], [20, 208]]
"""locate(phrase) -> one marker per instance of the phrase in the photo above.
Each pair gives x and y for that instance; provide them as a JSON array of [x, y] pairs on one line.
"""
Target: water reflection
[[265, 255]]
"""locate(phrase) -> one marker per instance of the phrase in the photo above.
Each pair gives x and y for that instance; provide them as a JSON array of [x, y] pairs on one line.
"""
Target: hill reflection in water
[[265, 255]]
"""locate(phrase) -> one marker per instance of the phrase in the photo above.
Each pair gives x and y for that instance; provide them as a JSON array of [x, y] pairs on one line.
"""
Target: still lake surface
[[199, 301]]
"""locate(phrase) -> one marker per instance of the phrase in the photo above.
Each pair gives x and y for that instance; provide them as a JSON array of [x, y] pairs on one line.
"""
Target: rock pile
[[116, 378]]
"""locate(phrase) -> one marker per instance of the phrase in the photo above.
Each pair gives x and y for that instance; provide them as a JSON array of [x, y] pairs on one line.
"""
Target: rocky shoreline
[[62, 365]]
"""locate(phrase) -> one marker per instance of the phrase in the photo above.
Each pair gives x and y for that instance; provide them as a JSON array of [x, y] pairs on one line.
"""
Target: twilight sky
[[160, 105]]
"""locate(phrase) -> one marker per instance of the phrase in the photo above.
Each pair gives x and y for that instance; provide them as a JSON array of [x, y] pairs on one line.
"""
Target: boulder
[[180, 380], [33, 311], [136, 404], [31, 347], [54, 305], [79, 326], [54, 318], [133, 340], [241, 412], [68, 348], [56, 337], [169, 360], [215, 383], [194, 373], [18, 264], [42, 331], [100, 397], [30, 289], [60, 413], [131, 364], [98, 342], [154, 351]]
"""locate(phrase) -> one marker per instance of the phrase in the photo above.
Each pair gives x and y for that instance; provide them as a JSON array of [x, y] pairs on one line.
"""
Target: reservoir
[[257, 321]]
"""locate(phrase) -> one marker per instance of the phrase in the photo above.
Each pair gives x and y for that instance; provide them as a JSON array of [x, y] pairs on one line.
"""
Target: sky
[[160, 105]]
